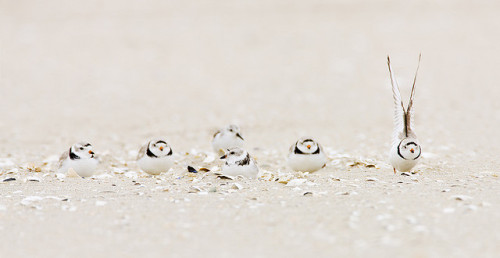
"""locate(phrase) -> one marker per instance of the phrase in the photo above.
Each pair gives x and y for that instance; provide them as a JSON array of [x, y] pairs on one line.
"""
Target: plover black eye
[[81, 148]]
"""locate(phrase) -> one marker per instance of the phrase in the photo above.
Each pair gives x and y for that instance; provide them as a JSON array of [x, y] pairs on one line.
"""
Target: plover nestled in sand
[[155, 157], [239, 162], [405, 150], [306, 155], [81, 158], [226, 138]]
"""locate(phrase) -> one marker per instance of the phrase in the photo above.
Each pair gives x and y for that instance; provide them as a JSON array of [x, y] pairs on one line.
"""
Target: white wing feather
[[411, 111], [399, 110]]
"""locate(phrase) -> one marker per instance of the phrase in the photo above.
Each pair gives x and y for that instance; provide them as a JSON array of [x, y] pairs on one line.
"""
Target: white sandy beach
[[117, 73]]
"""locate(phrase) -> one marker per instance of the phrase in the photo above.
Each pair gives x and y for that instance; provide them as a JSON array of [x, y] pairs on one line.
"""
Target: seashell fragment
[[237, 186], [225, 177], [32, 179], [191, 169]]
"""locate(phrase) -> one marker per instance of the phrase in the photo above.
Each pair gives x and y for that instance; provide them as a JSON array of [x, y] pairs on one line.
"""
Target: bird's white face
[[234, 155], [409, 149], [159, 148], [233, 130], [307, 146], [83, 150]]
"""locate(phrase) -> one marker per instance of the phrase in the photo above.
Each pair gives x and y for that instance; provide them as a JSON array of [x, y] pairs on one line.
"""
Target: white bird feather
[[403, 118]]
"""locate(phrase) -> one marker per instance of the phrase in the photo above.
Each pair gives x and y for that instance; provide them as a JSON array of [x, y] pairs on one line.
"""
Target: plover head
[[236, 156], [306, 145], [233, 130], [81, 150], [409, 149], [158, 148]]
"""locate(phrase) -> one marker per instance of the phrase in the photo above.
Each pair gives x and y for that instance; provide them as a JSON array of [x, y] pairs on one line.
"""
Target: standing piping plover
[[226, 138], [155, 157], [306, 155], [405, 150], [80, 158], [239, 162]]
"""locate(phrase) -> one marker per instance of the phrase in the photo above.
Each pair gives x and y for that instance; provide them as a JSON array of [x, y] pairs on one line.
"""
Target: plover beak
[[239, 136], [412, 150], [308, 146], [161, 148], [223, 157], [91, 152]]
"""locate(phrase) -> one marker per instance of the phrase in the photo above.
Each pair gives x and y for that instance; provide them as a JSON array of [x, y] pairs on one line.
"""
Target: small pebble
[[461, 197]]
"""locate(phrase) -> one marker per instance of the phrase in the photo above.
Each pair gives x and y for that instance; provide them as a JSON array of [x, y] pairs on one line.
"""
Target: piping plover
[[239, 162], [226, 138], [155, 157], [81, 158], [405, 150], [306, 155]]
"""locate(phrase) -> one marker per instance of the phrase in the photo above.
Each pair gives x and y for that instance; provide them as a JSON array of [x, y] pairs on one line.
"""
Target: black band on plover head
[[161, 141], [87, 145], [419, 152], [72, 155], [150, 154], [399, 152], [245, 161], [297, 150]]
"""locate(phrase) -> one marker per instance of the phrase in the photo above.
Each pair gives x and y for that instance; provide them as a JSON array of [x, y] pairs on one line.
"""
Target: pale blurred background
[[118, 72]]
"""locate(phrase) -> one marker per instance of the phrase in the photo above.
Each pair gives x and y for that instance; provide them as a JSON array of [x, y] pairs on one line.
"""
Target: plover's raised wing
[[410, 111], [142, 151], [399, 109]]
